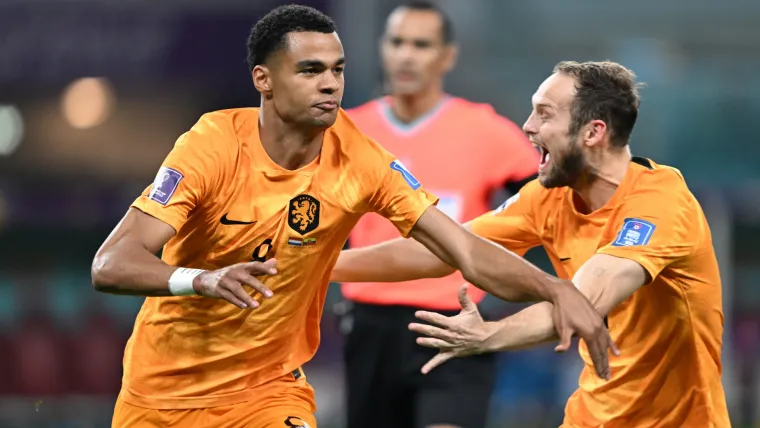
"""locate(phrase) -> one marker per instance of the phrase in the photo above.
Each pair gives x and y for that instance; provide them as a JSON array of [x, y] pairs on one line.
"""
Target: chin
[[325, 120], [551, 181]]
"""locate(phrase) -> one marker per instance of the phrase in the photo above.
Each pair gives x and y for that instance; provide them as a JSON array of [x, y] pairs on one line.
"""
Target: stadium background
[[74, 153]]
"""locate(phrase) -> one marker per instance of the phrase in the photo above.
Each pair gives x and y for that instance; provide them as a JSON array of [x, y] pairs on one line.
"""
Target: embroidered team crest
[[634, 232], [303, 214], [166, 183], [296, 422], [408, 177]]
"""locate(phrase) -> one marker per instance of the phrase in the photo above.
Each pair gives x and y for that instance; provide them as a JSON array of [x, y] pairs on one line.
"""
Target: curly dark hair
[[269, 34], [607, 91]]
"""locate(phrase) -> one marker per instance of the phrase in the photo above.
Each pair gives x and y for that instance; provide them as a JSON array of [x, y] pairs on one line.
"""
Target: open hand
[[458, 336]]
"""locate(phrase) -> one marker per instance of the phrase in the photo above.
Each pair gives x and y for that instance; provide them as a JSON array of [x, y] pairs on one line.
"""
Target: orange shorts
[[283, 403]]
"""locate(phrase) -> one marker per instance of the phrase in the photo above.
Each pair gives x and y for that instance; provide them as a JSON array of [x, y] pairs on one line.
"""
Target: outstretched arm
[[396, 260], [483, 263], [605, 280]]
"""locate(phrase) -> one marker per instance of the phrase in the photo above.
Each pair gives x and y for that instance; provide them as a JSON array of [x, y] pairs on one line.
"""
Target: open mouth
[[545, 156]]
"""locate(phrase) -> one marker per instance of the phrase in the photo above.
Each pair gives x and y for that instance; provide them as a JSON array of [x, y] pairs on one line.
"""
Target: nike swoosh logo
[[565, 259], [228, 222]]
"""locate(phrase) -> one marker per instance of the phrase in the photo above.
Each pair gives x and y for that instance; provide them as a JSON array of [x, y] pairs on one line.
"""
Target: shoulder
[[216, 136], [352, 141], [535, 197], [660, 182]]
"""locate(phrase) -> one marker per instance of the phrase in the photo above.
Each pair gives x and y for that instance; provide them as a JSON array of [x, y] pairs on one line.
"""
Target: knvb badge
[[166, 183], [634, 232]]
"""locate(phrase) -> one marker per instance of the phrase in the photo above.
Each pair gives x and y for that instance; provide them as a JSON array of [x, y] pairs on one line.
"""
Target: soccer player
[[463, 152], [631, 236], [251, 208]]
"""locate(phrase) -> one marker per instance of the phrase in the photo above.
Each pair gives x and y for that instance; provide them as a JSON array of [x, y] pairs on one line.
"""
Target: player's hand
[[458, 336], [227, 283], [574, 314]]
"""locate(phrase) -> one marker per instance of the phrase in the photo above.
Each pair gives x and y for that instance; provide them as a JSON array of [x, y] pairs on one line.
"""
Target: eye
[[309, 71], [338, 70]]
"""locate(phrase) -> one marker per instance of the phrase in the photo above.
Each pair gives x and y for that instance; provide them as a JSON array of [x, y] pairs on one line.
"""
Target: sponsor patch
[[634, 232]]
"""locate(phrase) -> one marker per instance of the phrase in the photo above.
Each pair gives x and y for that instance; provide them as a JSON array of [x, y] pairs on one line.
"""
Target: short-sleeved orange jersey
[[669, 331], [230, 203], [462, 151]]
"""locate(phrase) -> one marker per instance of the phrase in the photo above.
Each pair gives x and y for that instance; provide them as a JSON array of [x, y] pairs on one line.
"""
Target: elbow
[[101, 275]]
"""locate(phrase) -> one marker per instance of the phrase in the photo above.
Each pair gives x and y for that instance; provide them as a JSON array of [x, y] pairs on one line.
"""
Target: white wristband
[[181, 281]]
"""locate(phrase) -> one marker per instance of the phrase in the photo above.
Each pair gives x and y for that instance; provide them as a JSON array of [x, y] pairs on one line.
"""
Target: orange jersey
[[462, 151], [230, 203], [669, 331]]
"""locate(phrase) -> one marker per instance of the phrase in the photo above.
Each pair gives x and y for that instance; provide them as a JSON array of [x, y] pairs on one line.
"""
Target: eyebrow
[[308, 63], [543, 105]]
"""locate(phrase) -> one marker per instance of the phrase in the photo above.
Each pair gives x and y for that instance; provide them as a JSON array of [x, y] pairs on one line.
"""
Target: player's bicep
[[139, 228], [608, 280]]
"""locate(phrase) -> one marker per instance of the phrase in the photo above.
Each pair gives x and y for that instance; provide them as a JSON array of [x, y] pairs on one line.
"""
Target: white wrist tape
[[181, 281]]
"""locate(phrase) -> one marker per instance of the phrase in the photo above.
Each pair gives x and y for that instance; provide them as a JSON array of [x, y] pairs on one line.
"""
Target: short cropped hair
[[605, 91], [269, 34]]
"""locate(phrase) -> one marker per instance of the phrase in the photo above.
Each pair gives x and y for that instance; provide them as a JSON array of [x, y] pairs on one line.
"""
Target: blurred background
[[93, 94]]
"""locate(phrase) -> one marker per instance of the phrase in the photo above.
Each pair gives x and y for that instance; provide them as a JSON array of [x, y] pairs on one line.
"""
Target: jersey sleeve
[[514, 224], [187, 175], [511, 157], [657, 226], [398, 195]]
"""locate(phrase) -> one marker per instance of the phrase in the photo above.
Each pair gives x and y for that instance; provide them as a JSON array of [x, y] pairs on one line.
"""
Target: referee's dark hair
[[447, 27]]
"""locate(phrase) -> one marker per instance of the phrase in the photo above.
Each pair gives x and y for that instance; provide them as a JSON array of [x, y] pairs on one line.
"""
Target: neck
[[408, 108], [288, 145], [596, 187]]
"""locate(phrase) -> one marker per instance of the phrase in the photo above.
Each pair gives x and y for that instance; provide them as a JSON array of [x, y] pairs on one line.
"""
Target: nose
[[329, 84], [529, 127]]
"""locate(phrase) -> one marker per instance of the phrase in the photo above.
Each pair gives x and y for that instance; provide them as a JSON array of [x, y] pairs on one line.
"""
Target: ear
[[451, 55], [595, 132], [262, 80]]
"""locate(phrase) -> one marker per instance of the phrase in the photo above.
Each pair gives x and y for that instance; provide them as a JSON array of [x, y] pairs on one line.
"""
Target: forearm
[[128, 268], [507, 275], [529, 327], [393, 261]]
